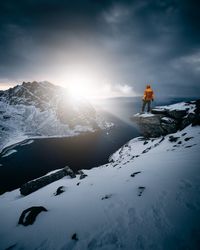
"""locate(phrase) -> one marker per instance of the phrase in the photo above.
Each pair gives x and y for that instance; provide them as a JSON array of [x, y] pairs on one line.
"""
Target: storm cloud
[[129, 43]]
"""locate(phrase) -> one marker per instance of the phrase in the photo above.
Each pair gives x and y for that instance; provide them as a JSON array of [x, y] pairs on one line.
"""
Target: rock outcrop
[[168, 119], [36, 184]]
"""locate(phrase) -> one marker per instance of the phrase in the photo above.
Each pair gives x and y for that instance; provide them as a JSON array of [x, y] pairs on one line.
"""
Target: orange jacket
[[148, 94]]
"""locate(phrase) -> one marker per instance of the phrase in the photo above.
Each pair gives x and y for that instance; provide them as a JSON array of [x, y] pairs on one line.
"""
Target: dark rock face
[[82, 174], [74, 237], [173, 138], [34, 185], [155, 126], [167, 121], [29, 215], [60, 190], [177, 114]]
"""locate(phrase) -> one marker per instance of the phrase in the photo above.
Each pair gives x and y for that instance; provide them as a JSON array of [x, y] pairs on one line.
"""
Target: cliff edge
[[164, 120]]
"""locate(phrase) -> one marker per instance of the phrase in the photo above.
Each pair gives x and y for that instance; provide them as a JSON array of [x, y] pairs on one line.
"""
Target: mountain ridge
[[43, 109]]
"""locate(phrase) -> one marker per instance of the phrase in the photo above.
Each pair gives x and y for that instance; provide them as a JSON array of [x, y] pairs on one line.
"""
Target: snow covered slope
[[43, 109], [146, 197]]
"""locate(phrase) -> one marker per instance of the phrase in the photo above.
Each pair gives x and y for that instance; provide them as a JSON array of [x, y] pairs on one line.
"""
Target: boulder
[[74, 237], [173, 138], [155, 125], [36, 184]]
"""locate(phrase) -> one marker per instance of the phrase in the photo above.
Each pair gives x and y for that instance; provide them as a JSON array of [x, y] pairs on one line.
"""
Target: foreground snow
[[155, 208]]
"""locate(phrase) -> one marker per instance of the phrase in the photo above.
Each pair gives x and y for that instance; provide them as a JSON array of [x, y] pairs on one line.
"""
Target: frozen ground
[[146, 197]]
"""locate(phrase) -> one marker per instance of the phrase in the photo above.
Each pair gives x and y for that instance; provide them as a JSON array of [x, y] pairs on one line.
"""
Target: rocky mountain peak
[[31, 93]]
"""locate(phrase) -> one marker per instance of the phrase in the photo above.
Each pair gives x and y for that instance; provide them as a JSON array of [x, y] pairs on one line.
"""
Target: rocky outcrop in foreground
[[168, 119], [36, 184]]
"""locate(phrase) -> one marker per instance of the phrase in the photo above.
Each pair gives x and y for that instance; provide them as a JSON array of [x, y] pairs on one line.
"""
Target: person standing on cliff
[[148, 97]]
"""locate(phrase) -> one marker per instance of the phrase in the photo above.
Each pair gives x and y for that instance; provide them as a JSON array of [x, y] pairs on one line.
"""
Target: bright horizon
[[88, 89]]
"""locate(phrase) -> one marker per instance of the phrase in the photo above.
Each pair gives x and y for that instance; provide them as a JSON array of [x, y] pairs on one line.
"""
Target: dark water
[[81, 152]]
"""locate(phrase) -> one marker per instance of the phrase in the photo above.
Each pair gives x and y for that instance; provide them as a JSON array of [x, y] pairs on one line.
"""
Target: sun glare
[[77, 90], [82, 83], [89, 82]]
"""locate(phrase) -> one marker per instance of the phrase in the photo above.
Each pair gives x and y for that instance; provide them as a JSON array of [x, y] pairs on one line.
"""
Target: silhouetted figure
[[147, 98]]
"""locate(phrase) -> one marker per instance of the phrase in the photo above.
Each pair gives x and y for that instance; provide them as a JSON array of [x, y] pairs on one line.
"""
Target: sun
[[82, 83], [77, 90]]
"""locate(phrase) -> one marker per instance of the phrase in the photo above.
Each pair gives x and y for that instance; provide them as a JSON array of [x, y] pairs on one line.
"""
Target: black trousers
[[148, 103]]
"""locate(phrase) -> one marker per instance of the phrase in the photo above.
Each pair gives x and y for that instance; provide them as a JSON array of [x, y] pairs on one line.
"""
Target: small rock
[[188, 138], [107, 196], [60, 190], [74, 237], [6, 117], [82, 175], [173, 138], [141, 190], [135, 173], [146, 150], [189, 146]]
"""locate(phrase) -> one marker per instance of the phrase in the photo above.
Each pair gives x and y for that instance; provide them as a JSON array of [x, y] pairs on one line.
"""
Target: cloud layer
[[129, 42]]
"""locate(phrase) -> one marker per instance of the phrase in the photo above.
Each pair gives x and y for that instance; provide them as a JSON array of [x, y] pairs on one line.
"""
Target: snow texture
[[146, 197], [144, 115], [177, 106]]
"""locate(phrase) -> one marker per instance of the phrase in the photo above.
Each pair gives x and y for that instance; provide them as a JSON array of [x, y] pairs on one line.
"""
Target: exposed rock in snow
[[60, 190], [41, 109], [82, 174], [36, 184], [168, 119], [74, 237], [32, 212]]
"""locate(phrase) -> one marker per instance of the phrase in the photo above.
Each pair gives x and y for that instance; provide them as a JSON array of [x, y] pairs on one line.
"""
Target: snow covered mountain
[[146, 197], [43, 109]]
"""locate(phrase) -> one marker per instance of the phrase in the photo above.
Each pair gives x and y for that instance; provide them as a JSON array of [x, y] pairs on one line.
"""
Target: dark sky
[[122, 43]]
